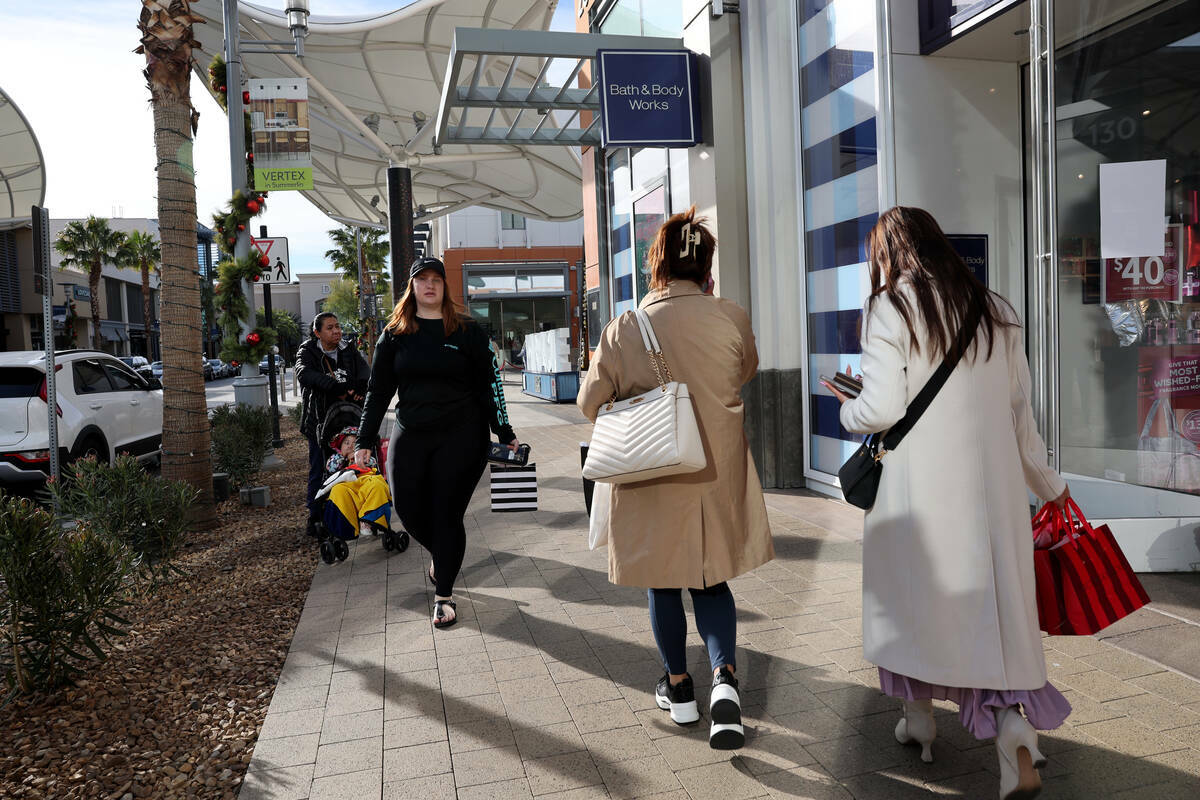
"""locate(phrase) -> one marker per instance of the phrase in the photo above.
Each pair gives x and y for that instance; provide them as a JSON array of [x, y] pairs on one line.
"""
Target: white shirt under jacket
[[948, 586]]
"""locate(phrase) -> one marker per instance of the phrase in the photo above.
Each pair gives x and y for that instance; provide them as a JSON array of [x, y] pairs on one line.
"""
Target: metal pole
[[41, 244], [358, 256], [277, 441], [400, 226]]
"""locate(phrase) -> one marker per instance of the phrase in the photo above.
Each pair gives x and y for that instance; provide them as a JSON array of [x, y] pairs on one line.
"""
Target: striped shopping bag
[[1084, 582], [514, 488]]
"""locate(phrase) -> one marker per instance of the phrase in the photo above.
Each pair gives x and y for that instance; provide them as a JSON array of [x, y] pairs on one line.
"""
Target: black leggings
[[432, 476]]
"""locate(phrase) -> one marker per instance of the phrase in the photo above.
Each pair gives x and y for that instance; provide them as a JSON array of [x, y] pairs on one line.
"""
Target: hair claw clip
[[689, 240]]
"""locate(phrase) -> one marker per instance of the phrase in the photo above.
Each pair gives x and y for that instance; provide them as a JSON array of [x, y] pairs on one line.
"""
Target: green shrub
[[241, 439], [145, 513], [295, 413], [60, 593]]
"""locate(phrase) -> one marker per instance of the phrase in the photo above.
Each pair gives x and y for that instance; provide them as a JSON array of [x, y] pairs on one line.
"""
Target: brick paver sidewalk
[[545, 686]]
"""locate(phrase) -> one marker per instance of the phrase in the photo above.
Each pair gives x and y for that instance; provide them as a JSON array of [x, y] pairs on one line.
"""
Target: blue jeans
[[716, 619], [316, 473]]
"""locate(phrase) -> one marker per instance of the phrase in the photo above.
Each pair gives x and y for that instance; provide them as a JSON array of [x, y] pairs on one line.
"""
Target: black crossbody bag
[[860, 474]]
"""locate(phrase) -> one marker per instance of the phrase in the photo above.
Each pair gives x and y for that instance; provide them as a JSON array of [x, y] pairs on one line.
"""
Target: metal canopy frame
[[557, 109]]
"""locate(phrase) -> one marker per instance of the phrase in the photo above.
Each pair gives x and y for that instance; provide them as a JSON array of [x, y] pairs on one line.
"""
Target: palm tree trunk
[[146, 308], [187, 441], [94, 287]]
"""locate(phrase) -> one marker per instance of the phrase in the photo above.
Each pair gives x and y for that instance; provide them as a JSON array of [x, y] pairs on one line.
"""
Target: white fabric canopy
[[377, 72], [22, 173]]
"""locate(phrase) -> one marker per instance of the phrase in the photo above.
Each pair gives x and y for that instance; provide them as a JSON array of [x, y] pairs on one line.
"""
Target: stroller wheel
[[343, 550], [402, 541], [328, 554], [389, 541]]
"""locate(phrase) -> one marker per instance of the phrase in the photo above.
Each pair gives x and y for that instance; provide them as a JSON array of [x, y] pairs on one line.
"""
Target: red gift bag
[[1084, 582]]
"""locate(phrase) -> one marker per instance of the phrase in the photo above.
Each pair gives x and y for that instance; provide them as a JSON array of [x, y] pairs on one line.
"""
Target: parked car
[[219, 368], [207, 367], [104, 408], [135, 362], [156, 370]]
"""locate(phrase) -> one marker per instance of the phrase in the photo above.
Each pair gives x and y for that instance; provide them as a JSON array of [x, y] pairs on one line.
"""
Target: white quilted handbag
[[648, 436]]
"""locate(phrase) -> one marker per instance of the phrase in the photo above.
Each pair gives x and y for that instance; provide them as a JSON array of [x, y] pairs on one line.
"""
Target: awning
[[22, 172], [113, 331], [374, 89], [505, 87]]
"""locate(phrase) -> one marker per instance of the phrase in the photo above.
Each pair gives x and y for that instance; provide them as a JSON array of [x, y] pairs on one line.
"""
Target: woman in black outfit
[[439, 365]]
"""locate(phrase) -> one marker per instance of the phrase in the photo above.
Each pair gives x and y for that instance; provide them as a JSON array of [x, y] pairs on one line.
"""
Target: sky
[[69, 66]]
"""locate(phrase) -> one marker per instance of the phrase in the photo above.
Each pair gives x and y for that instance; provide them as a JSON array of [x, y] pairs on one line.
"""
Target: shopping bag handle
[[1053, 515], [1072, 509]]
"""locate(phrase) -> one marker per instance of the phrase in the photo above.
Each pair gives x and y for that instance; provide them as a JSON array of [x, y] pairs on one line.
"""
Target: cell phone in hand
[[846, 384]]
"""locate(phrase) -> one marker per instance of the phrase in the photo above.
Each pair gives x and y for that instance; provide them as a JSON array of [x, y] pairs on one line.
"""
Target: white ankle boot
[[917, 725], [1020, 759]]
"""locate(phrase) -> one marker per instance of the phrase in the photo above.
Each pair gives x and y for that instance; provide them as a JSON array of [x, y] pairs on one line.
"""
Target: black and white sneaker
[[725, 711], [679, 699]]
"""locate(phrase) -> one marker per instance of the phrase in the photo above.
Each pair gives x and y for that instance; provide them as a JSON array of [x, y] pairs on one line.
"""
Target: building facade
[[514, 275], [121, 329], [821, 114]]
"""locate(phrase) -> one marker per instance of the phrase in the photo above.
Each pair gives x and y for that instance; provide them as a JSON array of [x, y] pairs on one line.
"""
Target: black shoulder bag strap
[[860, 474]]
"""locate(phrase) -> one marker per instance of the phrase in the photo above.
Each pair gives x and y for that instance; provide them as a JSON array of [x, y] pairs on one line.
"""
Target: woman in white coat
[[949, 608]]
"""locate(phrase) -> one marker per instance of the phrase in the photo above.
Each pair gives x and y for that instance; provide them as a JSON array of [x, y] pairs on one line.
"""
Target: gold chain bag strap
[[651, 435]]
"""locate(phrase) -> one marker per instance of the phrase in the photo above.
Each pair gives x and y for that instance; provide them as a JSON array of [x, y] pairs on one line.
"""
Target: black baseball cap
[[427, 262]]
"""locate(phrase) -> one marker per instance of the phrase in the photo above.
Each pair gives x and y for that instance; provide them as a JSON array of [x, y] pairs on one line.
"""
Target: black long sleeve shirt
[[436, 379]]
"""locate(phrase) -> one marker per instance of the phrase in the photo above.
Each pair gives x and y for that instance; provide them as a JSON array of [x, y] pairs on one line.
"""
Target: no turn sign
[[276, 250]]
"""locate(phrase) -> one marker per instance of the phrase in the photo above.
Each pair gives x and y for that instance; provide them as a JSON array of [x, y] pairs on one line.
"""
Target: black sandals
[[440, 618]]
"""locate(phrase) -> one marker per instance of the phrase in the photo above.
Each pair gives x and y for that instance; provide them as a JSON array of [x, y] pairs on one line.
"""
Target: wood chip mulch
[[176, 709]]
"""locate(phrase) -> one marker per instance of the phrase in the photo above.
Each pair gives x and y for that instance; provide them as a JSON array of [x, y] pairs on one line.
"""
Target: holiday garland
[[231, 299]]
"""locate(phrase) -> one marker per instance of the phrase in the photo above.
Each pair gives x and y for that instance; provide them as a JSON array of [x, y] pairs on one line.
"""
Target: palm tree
[[90, 244], [141, 251], [167, 42], [344, 257]]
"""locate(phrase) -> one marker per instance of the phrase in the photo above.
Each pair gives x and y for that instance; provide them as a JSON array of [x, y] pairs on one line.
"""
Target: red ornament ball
[[222, 89], [241, 227], [249, 156], [235, 363], [252, 206], [246, 98], [232, 240], [263, 260], [257, 277], [253, 338]]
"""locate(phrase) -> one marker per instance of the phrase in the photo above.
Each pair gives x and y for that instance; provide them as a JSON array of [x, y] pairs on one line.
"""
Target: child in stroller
[[351, 498]]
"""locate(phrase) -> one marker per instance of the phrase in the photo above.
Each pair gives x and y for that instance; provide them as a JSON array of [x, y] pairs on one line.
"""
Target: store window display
[[1129, 328]]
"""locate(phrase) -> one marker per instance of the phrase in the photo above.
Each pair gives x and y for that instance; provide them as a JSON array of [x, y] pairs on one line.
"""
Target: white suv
[[104, 408]]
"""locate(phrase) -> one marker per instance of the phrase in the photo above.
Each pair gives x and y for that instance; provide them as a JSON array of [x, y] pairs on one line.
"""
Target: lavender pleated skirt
[[1045, 708]]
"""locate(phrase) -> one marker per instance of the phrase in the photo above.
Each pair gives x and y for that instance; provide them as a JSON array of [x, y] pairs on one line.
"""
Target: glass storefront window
[[649, 213], [1129, 329], [541, 281], [620, 215], [482, 284], [644, 18], [841, 203]]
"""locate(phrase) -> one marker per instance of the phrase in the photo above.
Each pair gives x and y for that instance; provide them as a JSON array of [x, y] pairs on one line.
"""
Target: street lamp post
[[251, 387]]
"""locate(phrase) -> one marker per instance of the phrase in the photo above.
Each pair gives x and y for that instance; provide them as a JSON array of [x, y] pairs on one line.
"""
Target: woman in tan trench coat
[[698, 530]]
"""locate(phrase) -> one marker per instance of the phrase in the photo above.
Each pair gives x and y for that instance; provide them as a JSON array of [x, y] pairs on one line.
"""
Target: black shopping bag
[[514, 488]]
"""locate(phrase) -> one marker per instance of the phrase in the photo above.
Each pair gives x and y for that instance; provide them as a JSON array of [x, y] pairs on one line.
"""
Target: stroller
[[334, 526]]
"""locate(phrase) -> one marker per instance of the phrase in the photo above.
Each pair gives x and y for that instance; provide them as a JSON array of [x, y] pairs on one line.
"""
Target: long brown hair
[[664, 260], [404, 316], [907, 244]]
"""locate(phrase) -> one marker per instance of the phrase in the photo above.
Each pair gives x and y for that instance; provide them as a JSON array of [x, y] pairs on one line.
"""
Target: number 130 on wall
[[1145, 277]]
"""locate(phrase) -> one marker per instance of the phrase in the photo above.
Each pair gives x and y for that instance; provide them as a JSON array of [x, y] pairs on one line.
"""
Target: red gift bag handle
[[1053, 516]]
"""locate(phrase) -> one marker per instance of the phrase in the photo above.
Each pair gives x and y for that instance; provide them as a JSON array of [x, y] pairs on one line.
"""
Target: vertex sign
[[649, 98]]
